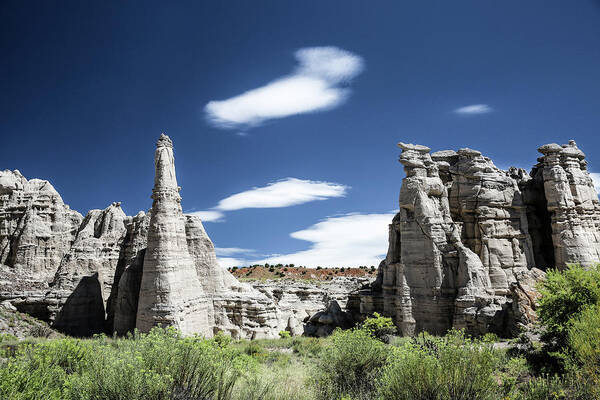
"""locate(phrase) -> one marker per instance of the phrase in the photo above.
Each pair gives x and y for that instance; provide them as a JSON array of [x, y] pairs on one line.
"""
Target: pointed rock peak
[[164, 141]]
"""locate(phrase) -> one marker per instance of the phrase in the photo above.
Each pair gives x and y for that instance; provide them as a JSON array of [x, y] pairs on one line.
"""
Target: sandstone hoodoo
[[170, 291], [108, 272], [470, 240]]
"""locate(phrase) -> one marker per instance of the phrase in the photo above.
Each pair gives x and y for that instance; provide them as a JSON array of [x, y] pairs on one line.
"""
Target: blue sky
[[285, 115]]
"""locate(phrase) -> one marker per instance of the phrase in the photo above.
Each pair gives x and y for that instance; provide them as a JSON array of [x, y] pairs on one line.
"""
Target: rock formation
[[301, 303], [109, 272], [170, 291], [465, 250], [572, 203], [470, 240]]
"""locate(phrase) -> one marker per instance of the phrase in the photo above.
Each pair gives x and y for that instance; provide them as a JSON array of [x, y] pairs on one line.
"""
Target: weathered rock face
[[299, 302], [84, 279], [36, 227], [111, 273], [464, 248], [170, 292], [572, 203]]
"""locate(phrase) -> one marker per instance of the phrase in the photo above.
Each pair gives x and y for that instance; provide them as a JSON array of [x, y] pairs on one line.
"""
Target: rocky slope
[[108, 272], [315, 307], [471, 241]]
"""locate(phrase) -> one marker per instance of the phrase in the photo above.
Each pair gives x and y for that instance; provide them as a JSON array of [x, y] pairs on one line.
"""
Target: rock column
[[170, 292], [572, 203]]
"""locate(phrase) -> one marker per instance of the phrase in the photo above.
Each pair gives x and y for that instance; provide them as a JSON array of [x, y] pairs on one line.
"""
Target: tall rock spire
[[170, 292]]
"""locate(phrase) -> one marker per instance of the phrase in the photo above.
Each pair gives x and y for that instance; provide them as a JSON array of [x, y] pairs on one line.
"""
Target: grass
[[349, 365]]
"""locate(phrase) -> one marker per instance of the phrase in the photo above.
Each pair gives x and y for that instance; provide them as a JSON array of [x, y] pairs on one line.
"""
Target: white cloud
[[284, 193], [596, 178], [313, 86], [209, 215], [343, 241], [229, 251], [474, 109], [227, 262]]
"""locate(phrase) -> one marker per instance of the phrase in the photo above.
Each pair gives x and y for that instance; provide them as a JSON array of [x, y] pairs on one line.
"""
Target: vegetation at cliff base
[[366, 362]]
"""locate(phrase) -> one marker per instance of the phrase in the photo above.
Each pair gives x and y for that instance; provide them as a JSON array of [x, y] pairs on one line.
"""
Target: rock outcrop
[[572, 203], [470, 240], [109, 272], [170, 291], [299, 302]]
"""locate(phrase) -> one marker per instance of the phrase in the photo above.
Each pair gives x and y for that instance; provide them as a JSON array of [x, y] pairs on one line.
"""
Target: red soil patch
[[285, 271]]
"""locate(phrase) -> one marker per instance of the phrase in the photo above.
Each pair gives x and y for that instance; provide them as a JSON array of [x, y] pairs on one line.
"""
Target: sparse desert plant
[[584, 342], [449, 368], [379, 326], [350, 365], [307, 346], [40, 330]]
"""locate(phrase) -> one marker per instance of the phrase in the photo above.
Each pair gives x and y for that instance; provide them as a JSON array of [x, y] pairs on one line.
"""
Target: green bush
[[379, 326], [254, 349], [307, 346], [350, 365], [159, 365], [449, 368], [564, 295], [584, 342], [285, 334]]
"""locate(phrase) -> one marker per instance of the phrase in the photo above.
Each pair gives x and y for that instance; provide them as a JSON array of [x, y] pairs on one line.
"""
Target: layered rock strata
[[470, 240], [170, 291], [109, 272], [572, 203], [302, 304]]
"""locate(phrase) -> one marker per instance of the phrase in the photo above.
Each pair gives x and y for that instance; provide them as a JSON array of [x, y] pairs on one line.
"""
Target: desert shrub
[[284, 334], [40, 371], [307, 346], [514, 371], [254, 349], [350, 365], [40, 330], [7, 337], [449, 368], [568, 387], [222, 340], [584, 342], [158, 365], [542, 389], [379, 326], [564, 295]]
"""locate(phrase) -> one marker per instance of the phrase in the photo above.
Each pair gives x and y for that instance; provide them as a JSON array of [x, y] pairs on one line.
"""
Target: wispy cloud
[[230, 251], [349, 240], [596, 178], [474, 109], [316, 84], [283, 193], [209, 215], [228, 262]]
